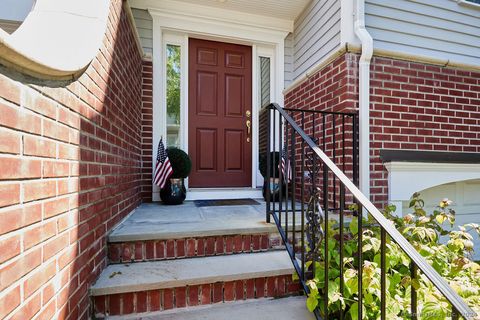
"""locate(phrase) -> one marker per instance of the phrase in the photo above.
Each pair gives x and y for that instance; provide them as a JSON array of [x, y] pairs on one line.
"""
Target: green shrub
[[180, 161], [452, 260], [274, 160]]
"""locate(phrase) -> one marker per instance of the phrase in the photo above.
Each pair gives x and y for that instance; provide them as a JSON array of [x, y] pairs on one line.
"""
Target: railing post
[[302, 198], [383, 270], [269, 148], [355, 142], [342, 227], [360, 261], [413, 293], [293, 167]]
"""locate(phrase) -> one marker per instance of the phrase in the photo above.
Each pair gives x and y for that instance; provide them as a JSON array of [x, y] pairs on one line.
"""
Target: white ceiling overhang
[[276, 15], [58, 39]]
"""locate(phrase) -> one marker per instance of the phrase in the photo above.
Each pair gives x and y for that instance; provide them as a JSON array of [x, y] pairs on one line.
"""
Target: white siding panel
[[316, 34], [288, 59], [439, 29], [144, 24], [9, 26]]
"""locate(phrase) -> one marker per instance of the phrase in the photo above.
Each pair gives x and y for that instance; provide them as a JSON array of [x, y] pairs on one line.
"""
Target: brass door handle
[[249, 126]]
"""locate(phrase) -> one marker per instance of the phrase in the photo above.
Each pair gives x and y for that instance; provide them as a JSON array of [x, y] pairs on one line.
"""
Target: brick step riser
[[128, 252], [190, 296]]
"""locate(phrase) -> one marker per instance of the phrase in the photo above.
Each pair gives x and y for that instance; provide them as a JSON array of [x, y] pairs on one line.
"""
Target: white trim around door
[[175, 29]]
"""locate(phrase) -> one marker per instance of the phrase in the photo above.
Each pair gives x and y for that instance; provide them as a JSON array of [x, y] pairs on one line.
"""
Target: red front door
[[220, 104]]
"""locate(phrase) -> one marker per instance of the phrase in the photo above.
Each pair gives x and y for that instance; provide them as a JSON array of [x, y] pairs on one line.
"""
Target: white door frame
[[176, 28]]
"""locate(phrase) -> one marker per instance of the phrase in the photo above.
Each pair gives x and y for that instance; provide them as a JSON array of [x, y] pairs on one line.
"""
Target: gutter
[[364, 96]]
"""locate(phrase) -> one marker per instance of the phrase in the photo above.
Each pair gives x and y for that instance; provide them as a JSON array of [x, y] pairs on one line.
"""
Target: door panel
[[207, 146], [207, 97], [207, 56], [234, 95], [234, 140], [220, 82]]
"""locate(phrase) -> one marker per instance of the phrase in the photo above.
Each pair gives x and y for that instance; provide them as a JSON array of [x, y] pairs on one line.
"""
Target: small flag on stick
[[163, 168], [285, 166]]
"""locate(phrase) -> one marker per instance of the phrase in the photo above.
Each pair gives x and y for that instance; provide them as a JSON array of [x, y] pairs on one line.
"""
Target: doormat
[[229, 202]]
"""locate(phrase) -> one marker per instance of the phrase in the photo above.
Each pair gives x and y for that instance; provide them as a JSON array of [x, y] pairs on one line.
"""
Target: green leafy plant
[[451, 258], [173, 82], [180, 161]]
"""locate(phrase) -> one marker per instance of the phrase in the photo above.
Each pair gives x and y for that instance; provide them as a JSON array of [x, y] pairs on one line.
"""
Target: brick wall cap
[[429, 156]]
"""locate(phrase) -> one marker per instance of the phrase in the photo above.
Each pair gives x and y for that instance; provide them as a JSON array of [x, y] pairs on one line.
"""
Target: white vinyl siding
[[288, 59], [316, 34], [144, 24], [440, 29], [9, 26]]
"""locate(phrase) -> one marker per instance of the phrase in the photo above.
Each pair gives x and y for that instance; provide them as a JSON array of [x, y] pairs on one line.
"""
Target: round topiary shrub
[[180, 161], [274, 161]]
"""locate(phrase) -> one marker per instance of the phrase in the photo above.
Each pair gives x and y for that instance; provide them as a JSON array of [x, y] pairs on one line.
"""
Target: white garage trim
[[405, 178]]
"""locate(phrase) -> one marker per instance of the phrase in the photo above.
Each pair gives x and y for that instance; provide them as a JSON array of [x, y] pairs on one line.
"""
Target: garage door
[[466, 203]]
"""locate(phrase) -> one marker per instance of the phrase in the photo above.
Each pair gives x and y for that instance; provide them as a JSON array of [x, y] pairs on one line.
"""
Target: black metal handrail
[[313, 220]]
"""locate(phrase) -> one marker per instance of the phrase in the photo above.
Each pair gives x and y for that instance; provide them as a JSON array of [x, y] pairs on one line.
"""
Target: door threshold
[[223, 193]]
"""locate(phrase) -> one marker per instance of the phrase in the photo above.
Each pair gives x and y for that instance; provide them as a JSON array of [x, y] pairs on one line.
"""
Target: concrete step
[[152, 221], [291, 308], [162, 285], [155, 232]]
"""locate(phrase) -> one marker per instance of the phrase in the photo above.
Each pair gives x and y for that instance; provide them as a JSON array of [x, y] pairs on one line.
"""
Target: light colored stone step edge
[[289, 308], [144, 276], [198, 233]]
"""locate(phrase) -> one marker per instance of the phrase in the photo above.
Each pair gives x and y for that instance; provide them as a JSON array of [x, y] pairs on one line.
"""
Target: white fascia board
[[228, 17], [204, 27], [468, 4], [405, 178]]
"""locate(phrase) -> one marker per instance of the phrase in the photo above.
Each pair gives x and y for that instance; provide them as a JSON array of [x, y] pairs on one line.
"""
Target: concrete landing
[[292, 308], [154, 221], [145, 276]]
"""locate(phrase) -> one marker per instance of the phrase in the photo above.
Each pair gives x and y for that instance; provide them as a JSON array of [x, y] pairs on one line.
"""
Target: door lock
[[248, 113]]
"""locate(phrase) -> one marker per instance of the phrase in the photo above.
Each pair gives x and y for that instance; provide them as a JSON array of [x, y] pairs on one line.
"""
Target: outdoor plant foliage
[[180, 161], [451, 258]]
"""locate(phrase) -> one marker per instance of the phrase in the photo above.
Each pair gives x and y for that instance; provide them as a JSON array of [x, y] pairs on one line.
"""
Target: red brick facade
[[332, 89], [155, 250], [414, 106], [70, 170], [190, 296], [421, 107]]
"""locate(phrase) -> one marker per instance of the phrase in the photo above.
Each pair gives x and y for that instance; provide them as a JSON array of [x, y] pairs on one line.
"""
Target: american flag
[[163, 169], [285, 166]]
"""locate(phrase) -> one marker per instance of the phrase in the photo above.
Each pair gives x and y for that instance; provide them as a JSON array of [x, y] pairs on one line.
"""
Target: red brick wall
[[417, 106], [331, 89], [70, 170], [414, 106]]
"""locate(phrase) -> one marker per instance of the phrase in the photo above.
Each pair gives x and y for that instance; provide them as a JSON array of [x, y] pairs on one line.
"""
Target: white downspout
[[364, 96]]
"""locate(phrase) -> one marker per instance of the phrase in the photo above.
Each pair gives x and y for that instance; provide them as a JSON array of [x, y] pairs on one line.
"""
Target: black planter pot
[[173, 192], [275, 186]]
